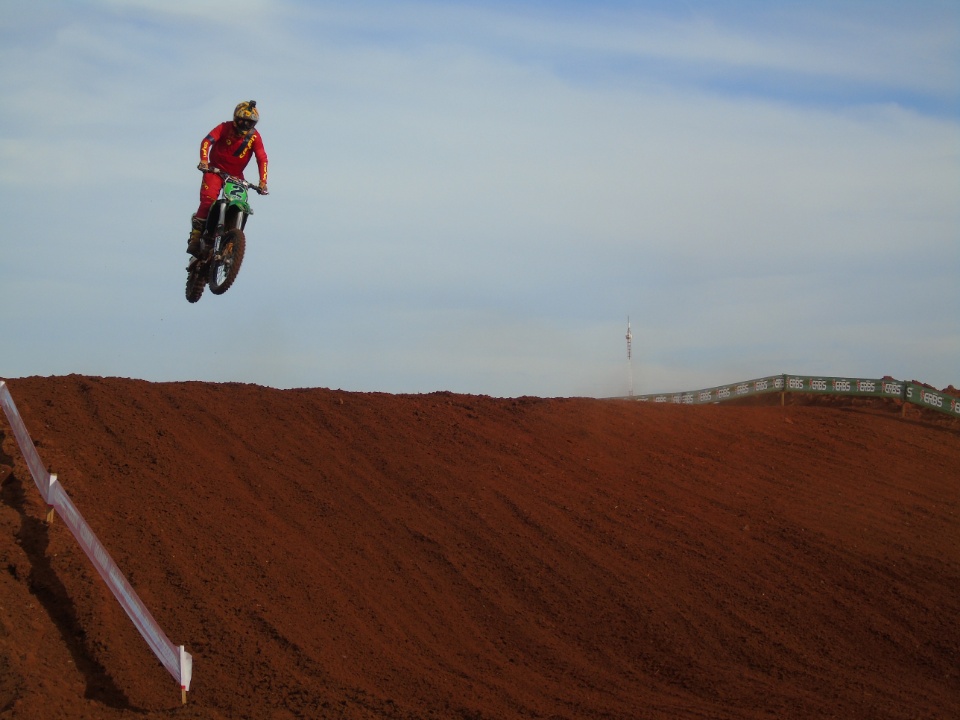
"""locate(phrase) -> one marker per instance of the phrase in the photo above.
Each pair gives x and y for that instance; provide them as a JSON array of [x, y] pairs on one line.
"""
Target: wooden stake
[[183, 695], [50, 514]]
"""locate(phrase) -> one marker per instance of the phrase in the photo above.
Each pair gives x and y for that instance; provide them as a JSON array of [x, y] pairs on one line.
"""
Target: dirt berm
[[328, 554]]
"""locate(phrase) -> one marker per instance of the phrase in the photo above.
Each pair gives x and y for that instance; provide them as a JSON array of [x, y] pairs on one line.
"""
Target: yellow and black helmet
[[246, 115]]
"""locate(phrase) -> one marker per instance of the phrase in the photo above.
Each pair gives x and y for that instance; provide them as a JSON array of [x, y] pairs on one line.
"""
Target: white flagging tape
[[40, 475], [175, 659]]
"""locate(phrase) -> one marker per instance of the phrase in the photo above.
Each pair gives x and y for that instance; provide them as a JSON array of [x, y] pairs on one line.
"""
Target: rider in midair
[[228, 147]]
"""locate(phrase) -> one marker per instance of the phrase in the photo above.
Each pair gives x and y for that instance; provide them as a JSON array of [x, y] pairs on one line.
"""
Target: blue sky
[[474, 196]]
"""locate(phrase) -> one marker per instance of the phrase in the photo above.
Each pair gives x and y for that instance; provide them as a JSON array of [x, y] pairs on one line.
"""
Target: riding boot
[[193, 242]]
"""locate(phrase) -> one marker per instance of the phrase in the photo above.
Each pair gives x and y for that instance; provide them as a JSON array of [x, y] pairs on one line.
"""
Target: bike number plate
[[234, 191]]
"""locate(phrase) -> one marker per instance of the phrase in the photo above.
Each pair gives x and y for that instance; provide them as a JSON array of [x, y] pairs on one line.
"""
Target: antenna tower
[[629, 358]]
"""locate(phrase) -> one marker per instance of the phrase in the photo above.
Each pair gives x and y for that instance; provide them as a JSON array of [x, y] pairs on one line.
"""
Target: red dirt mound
[[325, 554]]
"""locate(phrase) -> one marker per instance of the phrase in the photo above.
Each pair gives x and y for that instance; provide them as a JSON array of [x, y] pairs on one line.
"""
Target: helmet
[[246, 115]]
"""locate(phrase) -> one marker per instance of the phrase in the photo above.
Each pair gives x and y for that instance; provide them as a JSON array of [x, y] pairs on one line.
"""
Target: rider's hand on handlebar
[[203, 167], [262, 189]]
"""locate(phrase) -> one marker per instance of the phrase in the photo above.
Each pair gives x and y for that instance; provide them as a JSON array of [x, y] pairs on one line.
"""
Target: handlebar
[[233, 178]]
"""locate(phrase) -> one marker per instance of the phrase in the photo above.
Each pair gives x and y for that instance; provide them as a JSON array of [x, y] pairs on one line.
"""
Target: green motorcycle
[[223, 242]]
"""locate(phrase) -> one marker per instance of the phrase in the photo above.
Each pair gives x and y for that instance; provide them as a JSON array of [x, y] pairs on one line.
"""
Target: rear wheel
[[226, 264], [195, 284]]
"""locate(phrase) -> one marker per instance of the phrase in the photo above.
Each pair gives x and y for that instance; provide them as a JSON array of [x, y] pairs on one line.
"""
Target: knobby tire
[[195, 284], [223, 270]]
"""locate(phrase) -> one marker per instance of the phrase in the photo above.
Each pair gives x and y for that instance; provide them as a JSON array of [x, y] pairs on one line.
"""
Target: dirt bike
[[222, 243]]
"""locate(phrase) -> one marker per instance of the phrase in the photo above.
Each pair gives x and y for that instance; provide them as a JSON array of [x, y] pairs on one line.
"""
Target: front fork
[[217, 222]]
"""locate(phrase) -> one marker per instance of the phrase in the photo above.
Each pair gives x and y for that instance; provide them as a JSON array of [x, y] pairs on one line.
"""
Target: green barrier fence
[[907, 392]]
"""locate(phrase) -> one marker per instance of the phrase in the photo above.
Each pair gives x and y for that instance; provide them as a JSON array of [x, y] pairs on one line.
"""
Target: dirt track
[[325, 554]]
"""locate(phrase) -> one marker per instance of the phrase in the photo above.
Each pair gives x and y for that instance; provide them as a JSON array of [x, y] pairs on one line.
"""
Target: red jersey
[[227, 148]]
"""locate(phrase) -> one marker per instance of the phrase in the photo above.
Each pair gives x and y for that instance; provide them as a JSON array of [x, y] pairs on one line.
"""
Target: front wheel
[[226, 262]]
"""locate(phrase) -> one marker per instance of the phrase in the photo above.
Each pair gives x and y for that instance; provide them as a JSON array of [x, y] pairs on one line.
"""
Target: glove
[[263, 189], [203, 167]]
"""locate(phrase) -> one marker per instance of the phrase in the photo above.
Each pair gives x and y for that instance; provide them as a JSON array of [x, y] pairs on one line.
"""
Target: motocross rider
[[228, 147]]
